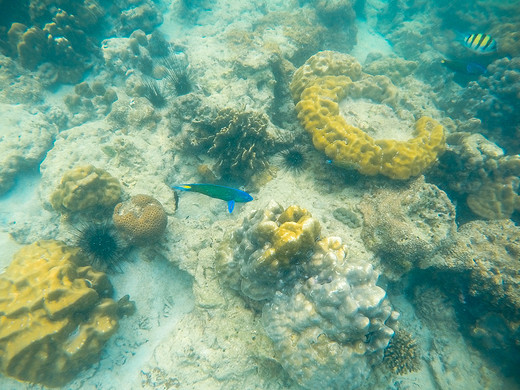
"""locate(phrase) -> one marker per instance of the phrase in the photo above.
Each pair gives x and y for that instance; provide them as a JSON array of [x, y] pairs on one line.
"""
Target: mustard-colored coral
[[54, 314], [318, 87], [85, 187], [142, 218], [291, 237]]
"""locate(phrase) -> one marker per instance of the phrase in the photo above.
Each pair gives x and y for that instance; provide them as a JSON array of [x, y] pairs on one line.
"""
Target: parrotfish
[[469, 68], [229, 194]]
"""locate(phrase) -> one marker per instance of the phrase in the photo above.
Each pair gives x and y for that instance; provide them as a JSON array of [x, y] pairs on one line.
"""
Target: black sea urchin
[[101, 244], [154, 93], [293, 158]]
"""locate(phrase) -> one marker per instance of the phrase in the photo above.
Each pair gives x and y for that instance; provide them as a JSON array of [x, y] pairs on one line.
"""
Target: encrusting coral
[[142, 219], [318, 87], [85, 187], [329, 321], [55, 314]]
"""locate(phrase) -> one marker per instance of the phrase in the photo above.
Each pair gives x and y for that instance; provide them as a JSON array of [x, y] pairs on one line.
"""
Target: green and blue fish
[[229, 194]]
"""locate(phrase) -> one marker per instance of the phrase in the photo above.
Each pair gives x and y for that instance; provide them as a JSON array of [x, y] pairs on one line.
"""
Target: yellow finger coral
[[142, 218], [327, 78], [85, 187], [55, 314]]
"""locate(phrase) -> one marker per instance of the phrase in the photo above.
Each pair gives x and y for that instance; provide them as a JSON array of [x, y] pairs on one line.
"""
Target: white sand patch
[[368, 41]]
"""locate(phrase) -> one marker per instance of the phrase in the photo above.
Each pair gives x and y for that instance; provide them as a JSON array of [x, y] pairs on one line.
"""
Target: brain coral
[[142, 219], [85, 187], [55, 314], [318, 87]]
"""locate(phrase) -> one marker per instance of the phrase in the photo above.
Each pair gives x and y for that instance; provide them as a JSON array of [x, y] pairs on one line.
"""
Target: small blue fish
[[230, 195], [480, 43]]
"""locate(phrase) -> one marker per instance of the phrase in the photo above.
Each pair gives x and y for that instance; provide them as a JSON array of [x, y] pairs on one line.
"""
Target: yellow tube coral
[[319, 86]]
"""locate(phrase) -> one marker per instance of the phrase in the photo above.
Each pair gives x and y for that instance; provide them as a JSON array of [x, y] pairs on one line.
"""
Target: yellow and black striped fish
[[481, 43]]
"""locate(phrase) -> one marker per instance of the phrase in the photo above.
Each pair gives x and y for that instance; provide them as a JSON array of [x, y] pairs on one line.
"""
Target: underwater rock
[[56, 314], [25, 138], [142, 219], [408, 227], [140, 14], [89, 101], [329, 77]]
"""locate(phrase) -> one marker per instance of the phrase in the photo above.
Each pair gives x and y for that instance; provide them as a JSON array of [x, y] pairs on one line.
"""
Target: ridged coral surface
[[142, 218], [322, 83], [85, 187], [54, 314]]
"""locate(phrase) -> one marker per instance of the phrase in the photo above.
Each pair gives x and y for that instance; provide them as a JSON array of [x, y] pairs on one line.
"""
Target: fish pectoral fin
[[231, 205]]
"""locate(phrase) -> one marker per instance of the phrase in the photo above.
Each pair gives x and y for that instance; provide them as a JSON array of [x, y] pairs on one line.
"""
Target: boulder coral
[[269, 245], [329, 77], [408, 227], [55, 314], [327, 318], [478, 168], [85, 187], [142, 219]]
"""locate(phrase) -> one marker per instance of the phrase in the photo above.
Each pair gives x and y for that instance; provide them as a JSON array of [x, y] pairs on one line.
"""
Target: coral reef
[[494, 101], [55, 314], [330, 329], [66, 42], [402, 355], [327, 318], [240, 142], [85, 187], [318, 87], [142, 219], [476, 167], [266, 248], [487, 253], [408, 227]]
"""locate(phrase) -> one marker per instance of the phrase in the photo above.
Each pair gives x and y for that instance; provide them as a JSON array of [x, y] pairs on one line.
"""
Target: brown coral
[[142, 218], [402, 354]]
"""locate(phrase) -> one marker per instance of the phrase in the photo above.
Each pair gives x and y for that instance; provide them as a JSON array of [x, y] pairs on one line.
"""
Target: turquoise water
[[398, 267]]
